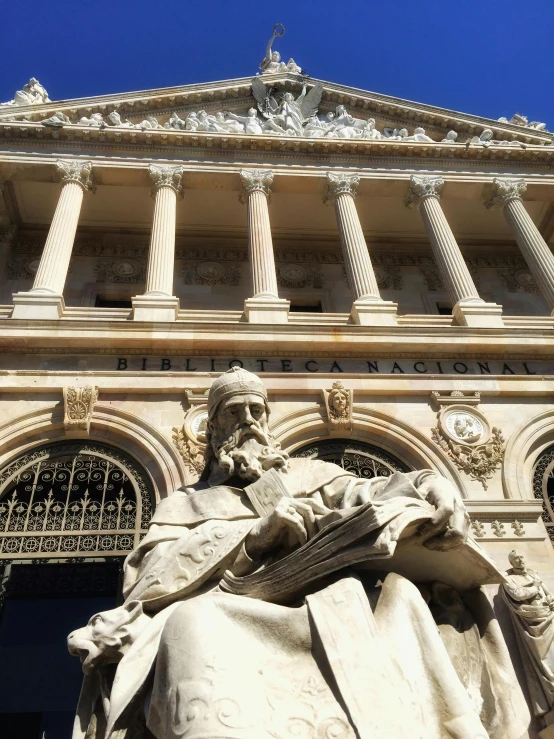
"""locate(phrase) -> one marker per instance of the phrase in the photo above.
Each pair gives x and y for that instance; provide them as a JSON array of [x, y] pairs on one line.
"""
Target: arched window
[[543, 487], [70, 499], [364, 460]]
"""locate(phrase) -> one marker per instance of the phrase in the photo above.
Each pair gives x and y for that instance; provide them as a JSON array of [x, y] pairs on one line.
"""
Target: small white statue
[[420, 136], [521, 120], [58, 120], [271, 63], [95, 121], [250, 123], [33, 93], [115, 120], [175, 122], [450, 138], [151, 122]]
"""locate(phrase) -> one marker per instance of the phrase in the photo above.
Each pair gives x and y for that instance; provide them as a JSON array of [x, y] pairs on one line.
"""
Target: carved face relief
[[125, 269], [464, 426], [199, 424]]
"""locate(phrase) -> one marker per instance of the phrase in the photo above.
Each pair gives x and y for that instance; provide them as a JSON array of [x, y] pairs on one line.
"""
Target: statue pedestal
[[266, 310], [153, 308], [374, 313], [478, 315], [38, 306]]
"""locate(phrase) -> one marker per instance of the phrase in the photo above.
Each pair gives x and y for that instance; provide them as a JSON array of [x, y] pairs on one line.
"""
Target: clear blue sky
[[485, 57]]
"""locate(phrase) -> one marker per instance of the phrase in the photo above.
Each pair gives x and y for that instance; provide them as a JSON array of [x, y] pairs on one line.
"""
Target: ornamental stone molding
[[7, 236], [255, 180], [504, 191], [388, 278], [122, 271], [162, 176], [422, 187], [440, 400], [518, 280], [22, 268], [341, 184], [299, 275], [78, 172], [433, 279], [464, 434], [211, 273], [338, 404], [190, 438], [78, 407]]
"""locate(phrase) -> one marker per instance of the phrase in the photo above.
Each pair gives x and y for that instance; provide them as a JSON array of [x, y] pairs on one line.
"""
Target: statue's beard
[[248, 452]]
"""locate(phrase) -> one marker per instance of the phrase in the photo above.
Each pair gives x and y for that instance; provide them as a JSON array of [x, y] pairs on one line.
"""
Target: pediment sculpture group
[[285, 597]]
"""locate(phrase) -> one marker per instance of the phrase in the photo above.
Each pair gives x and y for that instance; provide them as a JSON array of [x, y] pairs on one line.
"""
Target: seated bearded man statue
[[259, 606]]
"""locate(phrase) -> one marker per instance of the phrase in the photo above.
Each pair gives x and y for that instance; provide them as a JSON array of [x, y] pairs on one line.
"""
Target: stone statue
[[285, 114], [532, 609], [58, 120], [115, 120], [450, 138], [271, 63], [521, 120], [258, 605], [95, 121], [33, 93]]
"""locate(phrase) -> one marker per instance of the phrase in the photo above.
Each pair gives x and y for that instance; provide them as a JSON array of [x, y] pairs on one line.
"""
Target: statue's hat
[[236, 381]]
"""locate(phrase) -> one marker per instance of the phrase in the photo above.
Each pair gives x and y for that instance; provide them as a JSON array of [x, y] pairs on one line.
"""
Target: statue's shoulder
[[197, 503], [311, 474]]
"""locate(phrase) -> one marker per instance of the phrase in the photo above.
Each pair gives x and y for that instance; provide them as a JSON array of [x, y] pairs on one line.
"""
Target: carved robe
[[345, 659]]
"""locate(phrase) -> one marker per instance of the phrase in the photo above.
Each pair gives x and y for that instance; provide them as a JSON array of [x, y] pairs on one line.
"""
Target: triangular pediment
[[394, 117]]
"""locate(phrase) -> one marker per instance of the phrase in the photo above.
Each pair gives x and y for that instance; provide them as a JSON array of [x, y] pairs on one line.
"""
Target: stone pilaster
[[158, 302], [468, 308], [45, 299], [536, 252], [264, 306], [368, 307]]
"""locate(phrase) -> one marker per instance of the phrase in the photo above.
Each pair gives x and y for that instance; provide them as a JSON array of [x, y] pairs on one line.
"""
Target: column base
[[478, 315], [154, 308], [38, 306], [374, 312], [266, 310]]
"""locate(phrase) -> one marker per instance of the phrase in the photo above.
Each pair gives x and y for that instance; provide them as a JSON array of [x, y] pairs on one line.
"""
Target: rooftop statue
[[284, 113], [258, 605], [271, 63], [521, 120], [33, 93]]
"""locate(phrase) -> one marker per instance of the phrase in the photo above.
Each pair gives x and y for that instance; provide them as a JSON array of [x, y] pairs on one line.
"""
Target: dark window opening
[[306, 307], [444, 309], [102, 303]]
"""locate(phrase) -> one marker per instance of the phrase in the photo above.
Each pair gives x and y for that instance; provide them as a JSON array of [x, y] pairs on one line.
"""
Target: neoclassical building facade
[[385, 266]]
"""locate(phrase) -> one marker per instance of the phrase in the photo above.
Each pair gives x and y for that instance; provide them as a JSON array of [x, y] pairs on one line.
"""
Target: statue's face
[[339, 402], [252, 112], [242, 412], [517, 560], [276, 57], [340, 109], [288, 97]]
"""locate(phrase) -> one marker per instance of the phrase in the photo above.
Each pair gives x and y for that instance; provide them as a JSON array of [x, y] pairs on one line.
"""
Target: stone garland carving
[[125, 271], [190, 439], [338, 404], [463, 433], [434, 282], [518, 280], [388, 278], [211, 273], [299, 275], [78, 407]]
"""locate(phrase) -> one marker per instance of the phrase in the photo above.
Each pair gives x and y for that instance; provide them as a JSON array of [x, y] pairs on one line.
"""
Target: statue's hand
[[294, 517], [449, 526]]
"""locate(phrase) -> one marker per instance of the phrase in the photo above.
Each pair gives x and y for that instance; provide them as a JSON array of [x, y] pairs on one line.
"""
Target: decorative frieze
[[299, 275], [518, 280], [78, 407], [388, 278], [438, 400], [126, 271], [432, 278], [22, 268], [211, 273]]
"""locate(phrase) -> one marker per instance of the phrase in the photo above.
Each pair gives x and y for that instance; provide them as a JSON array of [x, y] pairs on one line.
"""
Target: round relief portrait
[[210, 270], [464, 426], [198, 425], [125, 268], [294, 273]]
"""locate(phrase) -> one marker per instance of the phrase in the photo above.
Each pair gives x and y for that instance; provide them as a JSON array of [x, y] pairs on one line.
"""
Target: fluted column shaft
[[536, 252], [56, 255], [425, 192], [161, 256], [354, 248], [256, 193]]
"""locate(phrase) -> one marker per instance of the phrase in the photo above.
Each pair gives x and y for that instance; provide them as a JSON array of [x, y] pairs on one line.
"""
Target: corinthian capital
[[504, 191], [422, 187], [162, 176], [339, 183], [78, 172], [255, 180]]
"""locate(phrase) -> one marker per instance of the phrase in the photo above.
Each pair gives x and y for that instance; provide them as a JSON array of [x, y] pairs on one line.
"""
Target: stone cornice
[[190, 143]]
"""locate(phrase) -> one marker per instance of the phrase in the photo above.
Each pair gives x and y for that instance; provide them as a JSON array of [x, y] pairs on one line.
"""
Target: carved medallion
[[190, 438], [120, 271], [518, 280], [464, 434], [298, 275], [211, 273]]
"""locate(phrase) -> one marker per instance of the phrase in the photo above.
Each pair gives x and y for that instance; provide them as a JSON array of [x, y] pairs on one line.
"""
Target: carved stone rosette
[[464, 434], [338, 404], [125, 271], [190, 439], [78, 407]]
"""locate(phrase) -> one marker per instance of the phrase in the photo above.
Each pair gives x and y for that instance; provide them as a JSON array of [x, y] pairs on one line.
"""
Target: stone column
[[158, 302], [368, 308], [468, 308], [264, 306], [535, 250], [45, 299]]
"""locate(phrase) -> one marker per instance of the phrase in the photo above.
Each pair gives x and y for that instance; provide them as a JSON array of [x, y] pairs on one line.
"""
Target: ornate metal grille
[[364, 460], [543, 488], [72, 499]]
